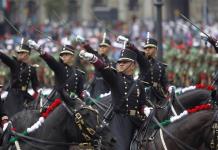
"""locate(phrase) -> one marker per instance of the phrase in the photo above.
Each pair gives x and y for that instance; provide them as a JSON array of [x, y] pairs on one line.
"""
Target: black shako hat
[[150, 42], [24, 48], [105, 42], [67, 49], [127, 55]]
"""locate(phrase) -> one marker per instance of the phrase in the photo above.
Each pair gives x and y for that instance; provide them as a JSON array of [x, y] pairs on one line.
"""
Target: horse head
[[87, 122]]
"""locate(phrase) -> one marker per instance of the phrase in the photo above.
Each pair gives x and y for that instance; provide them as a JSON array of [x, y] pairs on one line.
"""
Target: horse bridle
[[87, 132]]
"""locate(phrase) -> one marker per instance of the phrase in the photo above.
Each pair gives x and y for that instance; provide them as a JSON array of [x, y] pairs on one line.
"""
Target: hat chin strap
[[127, 67]]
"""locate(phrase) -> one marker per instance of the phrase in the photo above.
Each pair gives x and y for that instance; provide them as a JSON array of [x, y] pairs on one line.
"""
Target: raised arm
[[109, 73], [214, 42], [50, 60], [11, 63], [141, 59], [89, 49]]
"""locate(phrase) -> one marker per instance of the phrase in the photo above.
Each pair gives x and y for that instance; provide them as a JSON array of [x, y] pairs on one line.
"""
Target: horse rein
[[181, 144], [213, 143], [86, 131]]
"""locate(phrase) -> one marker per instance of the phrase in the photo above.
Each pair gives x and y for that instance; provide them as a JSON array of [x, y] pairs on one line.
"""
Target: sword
[[184, 17], [10, 23]]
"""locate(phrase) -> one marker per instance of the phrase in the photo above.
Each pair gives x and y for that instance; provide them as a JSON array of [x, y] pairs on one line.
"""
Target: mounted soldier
[[67, 76], [128, 95], [155, 73], [98, 85], [22, 74]]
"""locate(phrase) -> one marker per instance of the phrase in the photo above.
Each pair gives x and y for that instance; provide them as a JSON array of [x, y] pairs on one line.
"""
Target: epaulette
[[110, 67], [142, 81], [164, 64], [81, 71], [35, 65]]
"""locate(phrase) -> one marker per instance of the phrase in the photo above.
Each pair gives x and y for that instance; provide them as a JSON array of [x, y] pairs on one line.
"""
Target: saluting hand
[[213, 42], [32, 44], [88, 56], [131, 46]]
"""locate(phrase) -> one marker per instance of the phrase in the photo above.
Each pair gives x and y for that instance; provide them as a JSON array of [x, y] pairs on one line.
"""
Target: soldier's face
[[22, 56], [67, 58], [126, 67], [150, 51], [104, 50]]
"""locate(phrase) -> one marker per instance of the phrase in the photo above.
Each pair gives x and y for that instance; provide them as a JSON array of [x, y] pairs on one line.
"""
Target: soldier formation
[[130, 101]]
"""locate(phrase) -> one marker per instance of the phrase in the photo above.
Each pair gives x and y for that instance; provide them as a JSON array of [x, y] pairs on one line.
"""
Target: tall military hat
[[67, 49], [23, 47], [127, 55], [105, 41], [149, 42]]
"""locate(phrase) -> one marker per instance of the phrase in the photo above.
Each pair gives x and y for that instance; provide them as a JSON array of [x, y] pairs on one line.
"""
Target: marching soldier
[[22, 74], [128, 95], [99, 85], [67, 76]]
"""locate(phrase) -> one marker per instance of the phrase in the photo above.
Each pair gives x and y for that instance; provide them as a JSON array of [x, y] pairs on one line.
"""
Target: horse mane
[[203, 117], [193, 128], [24, 119], [194, 97]]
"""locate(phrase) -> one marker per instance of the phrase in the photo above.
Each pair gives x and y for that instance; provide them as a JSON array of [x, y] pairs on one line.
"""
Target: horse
[[186, 100], [187, 133], [72, 121]]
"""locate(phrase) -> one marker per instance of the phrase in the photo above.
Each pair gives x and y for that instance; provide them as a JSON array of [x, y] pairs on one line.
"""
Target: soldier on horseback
[[128, 95], [22, 74], [152, 71], [99, 85], [67, 76]]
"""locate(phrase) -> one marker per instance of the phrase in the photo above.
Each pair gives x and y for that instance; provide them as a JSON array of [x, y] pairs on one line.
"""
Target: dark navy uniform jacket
[[68, 77], [98, 85], [153, 73], [22, 74], [120, 84]]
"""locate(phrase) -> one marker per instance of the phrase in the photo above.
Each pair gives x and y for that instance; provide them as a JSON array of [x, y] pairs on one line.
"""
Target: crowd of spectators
[[190, 59]]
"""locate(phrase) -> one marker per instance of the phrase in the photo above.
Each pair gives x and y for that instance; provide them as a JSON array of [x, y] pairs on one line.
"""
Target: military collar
[[22, 62], [68, 65], [127, 76], [151, 59]]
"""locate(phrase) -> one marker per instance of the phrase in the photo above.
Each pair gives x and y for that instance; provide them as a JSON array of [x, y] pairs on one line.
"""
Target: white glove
[[147, 111], [5, 125], [88, 56], [32, 44], [85, 94], [80, 39], [171, 88]]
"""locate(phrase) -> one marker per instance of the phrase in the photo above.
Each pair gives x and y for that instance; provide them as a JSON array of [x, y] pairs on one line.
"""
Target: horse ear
[[66, 97]]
